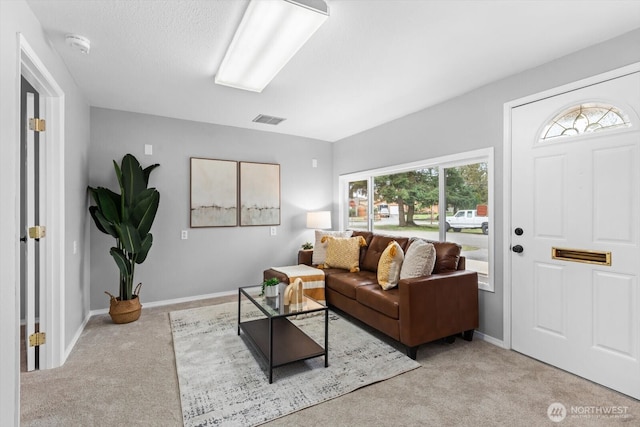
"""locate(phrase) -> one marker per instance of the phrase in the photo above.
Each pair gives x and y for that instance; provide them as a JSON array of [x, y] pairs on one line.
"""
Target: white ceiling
[[370, 63]]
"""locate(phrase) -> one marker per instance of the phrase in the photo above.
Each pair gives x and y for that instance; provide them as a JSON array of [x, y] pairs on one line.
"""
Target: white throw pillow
[[419, 260], [320, 249]]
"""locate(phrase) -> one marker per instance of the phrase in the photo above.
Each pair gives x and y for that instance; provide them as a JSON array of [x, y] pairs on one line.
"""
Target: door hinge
[[36, 339], [37, 232], [37, 125]]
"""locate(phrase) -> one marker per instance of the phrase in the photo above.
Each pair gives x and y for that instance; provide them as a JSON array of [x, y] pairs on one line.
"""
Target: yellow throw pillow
[[320, 247], [343, 253], [389, 266]]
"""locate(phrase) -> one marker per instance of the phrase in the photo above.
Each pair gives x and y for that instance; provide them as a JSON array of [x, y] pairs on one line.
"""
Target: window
[[466, 216], [409, 198], [447, 198], [585, 118], [358, 212]]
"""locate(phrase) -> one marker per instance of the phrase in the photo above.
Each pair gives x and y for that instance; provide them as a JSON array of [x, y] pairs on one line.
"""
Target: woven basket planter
[[125, 311]]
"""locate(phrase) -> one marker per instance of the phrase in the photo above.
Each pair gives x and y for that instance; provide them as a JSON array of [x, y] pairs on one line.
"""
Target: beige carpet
[[125, 375]]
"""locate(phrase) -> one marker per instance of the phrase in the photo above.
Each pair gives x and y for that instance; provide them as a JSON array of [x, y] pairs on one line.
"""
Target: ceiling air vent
[[268, 120]]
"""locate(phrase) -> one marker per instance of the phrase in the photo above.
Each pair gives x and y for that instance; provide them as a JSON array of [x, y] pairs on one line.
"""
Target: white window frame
[[442, 163]]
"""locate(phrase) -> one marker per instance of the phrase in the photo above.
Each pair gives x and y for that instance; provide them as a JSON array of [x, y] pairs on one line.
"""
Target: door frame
[[507, 186], [53, 215]]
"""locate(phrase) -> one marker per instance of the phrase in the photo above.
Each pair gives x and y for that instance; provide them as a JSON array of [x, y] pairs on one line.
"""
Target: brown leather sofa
[[418, 310]]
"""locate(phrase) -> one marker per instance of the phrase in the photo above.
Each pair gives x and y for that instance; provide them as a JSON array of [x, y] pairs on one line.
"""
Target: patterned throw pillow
[[320, 248], [389, 266], [419, 260], [343, 252]]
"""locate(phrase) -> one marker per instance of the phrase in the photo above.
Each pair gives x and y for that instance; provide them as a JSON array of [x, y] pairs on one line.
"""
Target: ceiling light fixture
[[270, 33], [78, 42]]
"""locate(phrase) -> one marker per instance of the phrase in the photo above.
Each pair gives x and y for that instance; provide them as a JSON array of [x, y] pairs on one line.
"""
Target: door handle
[[517, 249]]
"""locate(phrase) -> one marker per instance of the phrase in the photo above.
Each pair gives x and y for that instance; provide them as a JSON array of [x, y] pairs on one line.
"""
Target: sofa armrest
[[437, 306], [305, 256], [271, 273]]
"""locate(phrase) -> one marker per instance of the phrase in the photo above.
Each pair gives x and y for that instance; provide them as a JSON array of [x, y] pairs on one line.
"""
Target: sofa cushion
[[385, 302], [389, 266], [347, 283], [374, 250], [329, 271], [320, 248], [343, 253], [447, 256], [419, 260], [367, 235]]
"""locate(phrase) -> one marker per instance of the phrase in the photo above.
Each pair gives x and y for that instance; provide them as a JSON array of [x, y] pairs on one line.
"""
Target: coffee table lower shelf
[[289, 344]]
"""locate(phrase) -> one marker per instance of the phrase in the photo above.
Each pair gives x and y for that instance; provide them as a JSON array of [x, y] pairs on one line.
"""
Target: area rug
[[223, 381]]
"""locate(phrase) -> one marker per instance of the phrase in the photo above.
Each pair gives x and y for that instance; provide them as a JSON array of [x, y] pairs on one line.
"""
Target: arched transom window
[[585, 118]]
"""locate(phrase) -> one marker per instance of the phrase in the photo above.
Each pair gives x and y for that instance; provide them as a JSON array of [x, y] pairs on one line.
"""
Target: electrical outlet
[[273, 231], [184, 235], [148, 149]]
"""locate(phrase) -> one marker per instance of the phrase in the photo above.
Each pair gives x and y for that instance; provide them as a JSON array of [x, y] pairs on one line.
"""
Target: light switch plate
[[273, 231]]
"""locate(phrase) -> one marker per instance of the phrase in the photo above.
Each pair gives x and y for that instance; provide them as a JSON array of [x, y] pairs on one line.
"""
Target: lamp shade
[[319, 220]]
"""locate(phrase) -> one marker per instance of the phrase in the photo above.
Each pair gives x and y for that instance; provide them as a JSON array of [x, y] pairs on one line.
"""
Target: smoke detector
[[78, 42]]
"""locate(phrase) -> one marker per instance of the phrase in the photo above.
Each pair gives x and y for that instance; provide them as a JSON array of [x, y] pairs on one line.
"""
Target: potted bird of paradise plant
[[128, 217]]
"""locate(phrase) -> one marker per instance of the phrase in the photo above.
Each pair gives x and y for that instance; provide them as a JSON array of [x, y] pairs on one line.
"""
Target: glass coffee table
[[278, 340]]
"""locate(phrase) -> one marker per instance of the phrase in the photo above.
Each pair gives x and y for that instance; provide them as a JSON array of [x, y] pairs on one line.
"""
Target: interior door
[[576, 239], [30, 255]]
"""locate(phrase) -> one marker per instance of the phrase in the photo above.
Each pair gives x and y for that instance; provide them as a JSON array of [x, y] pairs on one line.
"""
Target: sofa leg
[[468, 335], [450, 339], [412, 352]]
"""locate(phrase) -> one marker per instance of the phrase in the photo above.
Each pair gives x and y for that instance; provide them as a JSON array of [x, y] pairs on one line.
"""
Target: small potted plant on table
[[270, 287]]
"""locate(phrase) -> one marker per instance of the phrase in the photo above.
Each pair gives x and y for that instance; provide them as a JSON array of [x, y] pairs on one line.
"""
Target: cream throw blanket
[[312, 278]]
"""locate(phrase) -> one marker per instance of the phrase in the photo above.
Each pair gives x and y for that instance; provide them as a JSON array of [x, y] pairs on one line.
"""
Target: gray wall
[[16, 17], [212, 260], [473, 121]]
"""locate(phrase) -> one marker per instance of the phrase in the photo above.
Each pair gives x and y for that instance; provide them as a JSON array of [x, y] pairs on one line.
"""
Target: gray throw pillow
[[419, 260]]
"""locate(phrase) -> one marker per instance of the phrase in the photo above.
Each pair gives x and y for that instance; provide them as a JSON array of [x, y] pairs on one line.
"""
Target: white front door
[[580, 197]]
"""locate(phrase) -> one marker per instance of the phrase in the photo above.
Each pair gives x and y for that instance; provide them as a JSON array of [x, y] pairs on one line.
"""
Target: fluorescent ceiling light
[[270, 33]]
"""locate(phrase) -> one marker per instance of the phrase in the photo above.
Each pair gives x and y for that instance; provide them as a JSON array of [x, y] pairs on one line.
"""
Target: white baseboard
[[75, 338], [489, 339], [172, 301]]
